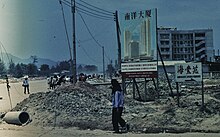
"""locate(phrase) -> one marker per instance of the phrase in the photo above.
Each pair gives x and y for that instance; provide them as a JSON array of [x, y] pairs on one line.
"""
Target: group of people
[[55, 80]]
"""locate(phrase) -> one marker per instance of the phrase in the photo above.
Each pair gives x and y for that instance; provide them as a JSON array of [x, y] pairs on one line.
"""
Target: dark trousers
[[117, 119], [26, 87]]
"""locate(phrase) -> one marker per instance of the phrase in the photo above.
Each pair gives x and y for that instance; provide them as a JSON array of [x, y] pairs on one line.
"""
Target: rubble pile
[[82, 105], [89, 107]]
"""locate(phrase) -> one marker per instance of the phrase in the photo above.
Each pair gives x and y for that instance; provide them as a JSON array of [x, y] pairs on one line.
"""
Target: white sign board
[[138, 66], [188, 72]]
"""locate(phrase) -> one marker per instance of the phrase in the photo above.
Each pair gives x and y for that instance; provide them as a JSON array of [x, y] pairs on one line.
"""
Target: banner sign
[[188, 72], [139, 69], [139, 35]]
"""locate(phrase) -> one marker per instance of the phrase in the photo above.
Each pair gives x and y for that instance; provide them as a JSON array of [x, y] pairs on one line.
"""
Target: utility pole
[[103, 61], [73, 4], [118, 39]]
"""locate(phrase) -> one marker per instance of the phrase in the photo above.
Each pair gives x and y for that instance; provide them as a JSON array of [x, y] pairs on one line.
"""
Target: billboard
[[139, 69], [138, 38], [188, 72]]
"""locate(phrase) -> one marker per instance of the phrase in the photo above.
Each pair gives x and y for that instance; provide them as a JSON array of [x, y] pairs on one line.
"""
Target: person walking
[[117, 104], [26, 85]]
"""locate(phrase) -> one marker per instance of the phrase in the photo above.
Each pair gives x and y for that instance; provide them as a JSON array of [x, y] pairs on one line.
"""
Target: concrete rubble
[[89, 107]]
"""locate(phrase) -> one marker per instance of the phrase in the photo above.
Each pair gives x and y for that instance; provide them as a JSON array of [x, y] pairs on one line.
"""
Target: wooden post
[[133, 85], [178, 95]]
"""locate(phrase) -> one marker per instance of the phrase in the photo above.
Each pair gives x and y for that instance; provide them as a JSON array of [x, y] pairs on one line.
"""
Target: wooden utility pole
[[118, 40], [73, 4], [103, 61]]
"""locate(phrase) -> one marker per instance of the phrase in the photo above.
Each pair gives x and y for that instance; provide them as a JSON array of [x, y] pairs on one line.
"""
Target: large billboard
[[139, 40]]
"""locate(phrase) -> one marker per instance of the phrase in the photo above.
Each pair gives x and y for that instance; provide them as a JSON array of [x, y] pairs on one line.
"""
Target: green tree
[[90, 68], [44, 69], [80, 68], [31, 69], [18, 71], [64, 65], [11, 68], [2, 67], [110, 70]]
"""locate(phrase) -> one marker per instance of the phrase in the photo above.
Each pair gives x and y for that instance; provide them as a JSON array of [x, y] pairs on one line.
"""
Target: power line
[[100, 13], [95, 16], [65, 26], [88, 54], [97, 7], [92, 35], [90, 12], [95, 10]]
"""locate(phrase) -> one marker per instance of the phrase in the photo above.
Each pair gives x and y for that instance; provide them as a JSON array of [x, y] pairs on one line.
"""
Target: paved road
[[17, 94]]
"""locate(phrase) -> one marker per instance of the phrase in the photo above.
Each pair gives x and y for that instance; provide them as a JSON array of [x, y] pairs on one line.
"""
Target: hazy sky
[[35, 27]]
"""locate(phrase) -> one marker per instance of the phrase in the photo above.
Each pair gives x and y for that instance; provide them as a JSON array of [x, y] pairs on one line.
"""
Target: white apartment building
[[188, 45]]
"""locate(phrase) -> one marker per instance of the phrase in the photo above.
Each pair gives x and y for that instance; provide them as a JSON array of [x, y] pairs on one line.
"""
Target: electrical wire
[[95, 10], [95, 16], [84, 50], [65, 26], [92, 35], [97, 7], [106, 15], [13, 85]]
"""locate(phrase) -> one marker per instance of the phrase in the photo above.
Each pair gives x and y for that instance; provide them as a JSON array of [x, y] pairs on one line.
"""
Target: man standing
[[26, 85]]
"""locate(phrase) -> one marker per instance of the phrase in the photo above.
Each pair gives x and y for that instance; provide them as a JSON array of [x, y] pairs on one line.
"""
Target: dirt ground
[[7, 130], [85, 111]]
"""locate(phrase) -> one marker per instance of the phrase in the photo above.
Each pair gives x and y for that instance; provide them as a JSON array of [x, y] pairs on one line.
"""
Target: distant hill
[[8, 57]]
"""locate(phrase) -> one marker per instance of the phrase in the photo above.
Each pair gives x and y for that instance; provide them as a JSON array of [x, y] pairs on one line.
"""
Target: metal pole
[[73, 4], [103, 61]]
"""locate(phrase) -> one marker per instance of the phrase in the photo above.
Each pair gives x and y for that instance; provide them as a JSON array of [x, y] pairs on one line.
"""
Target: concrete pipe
[[16, 117]]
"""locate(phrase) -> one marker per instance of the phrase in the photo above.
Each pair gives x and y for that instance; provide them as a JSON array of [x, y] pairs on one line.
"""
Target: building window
[[199, 34]]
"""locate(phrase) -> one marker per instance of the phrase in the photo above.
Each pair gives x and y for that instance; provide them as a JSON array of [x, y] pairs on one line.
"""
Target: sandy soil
[[7, 130]]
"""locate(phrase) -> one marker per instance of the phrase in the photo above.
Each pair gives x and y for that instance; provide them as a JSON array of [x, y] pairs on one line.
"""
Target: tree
[[110, 69], [2, 67], [44, 69], [18, 71], [34, 58], [90, 68], [11, 68], [31, 69], [64, 65], [80, 68]]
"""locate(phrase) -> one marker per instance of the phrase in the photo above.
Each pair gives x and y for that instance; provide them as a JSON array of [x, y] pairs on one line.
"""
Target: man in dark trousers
[[26, 85], [117, 104]]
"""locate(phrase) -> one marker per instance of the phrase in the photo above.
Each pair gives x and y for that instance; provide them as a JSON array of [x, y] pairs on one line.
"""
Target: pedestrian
[[26, 85], [117, 104], [7, 82]]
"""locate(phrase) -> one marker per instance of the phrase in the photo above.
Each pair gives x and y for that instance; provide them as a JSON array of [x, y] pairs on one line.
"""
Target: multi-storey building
[[188, 45]]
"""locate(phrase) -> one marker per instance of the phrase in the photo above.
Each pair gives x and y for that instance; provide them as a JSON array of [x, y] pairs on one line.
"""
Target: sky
[[36, 27]]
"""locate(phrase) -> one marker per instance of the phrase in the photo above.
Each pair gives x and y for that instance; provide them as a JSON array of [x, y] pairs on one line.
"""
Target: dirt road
[[7, 130], [16, 93]]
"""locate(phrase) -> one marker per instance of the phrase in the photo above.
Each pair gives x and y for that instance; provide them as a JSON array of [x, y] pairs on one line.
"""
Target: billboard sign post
[[139, 35]]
